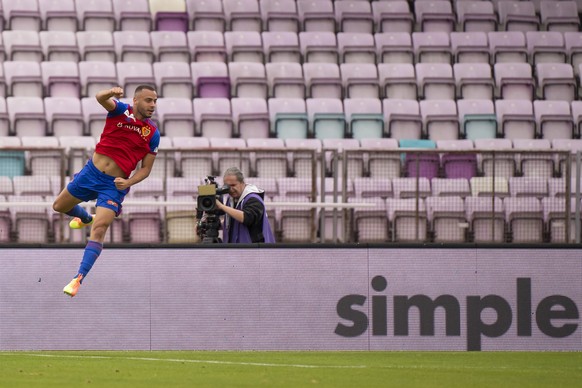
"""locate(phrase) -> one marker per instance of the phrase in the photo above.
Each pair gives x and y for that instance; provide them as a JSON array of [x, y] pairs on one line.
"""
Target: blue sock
[[78, 211], [92, 252]]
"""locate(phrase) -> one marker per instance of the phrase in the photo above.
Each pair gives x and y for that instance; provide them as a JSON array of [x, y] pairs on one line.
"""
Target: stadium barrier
[[302, 298]]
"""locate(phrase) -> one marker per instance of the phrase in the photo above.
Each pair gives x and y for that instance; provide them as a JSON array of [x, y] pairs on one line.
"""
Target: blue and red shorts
[[90, 184]]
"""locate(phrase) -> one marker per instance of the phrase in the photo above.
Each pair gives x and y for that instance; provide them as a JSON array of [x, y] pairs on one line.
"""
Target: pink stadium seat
[[518, 16], [289, 118], [322, 80], [173, 79], [248, 79], [432, 47], [471, 47], [281, 46], [556, 82], [447, 219], [170, 15], [195, 160], [22, 15], [133, 46], [96, 46], [514, 81], [408, 218], [392, 16], [432, 16], [42, 161], [132, 15], [232, 154], [170, 46], [435, 81], [176, 116], [546, 47], [508, 46], [318, 46], [61, 79], [360, 80], [440, 119], [356, 47], [96, 76], [132, 74], [524, 219], [280, 15], [477, 119], [26, 116], [64, 116], [22, 45], [402, 118], [207, 46], [354, 16], [206, 15], [476, 16], [446, 187], [244, 46], [58, 15], [250, 118], [474, 81], [213, 117], [486, 219], [94, 116], [554, 119], [23, 79], [394, 47], [285, 80], [398, 80], [95, 15], [59, 46], [316, 15], [268, 163], [243, 15], [515, 119], [560, 16]]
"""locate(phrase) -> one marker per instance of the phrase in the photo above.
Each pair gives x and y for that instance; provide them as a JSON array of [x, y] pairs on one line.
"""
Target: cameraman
[[246, 219]]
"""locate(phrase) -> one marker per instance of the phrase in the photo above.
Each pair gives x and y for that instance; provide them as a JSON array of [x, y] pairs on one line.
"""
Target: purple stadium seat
[[58, 15], [250, 117], [432, 47], [133, 46], [170, 15], [476, 16], [508, 46], [170, 46], [514, 81], [528, 187], [22, 45], [243, 15], [94, 116], [227, 158], [474, 81], [360, 80], [524, 218], [22, 15], [356, 48], [556, 81], [96, 46], [394, 47], [381, 164], [392, 16], [281, 46], [518, 16], [408, 218], [560, 16], [322, 80], [206, 15], [268, 163], [316, 15], [447, 187], [546, 47], [96, 76], [486, 218], [132, 15], [318, 46], [477, 119], [354, 16], [61, 79], [364, 117], [207, 46], [176, 116], [248, 79], [531, 162], [285, 80], [213, 117], [210, 79], [132, 74], [64, 116], [459, 165], [433, 16], [440, 119], [195, 160], [515, 119], [398, 80], [95, 15], [173, 79], [244, 46], [554, 119], [435, 81], [280, 16], [446, 217], [470, 47], [59, 46], [504, 164], [422, 165], [402, 118], [23, 79]]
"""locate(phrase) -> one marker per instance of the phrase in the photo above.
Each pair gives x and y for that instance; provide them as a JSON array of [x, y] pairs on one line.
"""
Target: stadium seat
[[22, 15], [432, 47], [370, 226], [170, 46], [96, 76], [353, 161], [354, 16], [402, 118], [210, 79], [248, 79], [381, 164], [206, 15], [573, 43], [470, 47], [244, 46], [556, 82], [169, 15], [59, 46], [285, 80], [486, 219], [514, 81], [323, 80], [446, 187], [398, 81], [42, 161], [364, 117], [280, 16], [474, 81], [392, 16], [281, 46], [61, 79], [4, 122], [524, 219], [435, 81], [356, 48], [503, 164], [96, 46], [30, 223], [476, 16], [79, 149], [518, 16], [318, 46], [268, 163], [515, 119], [536, 187], [206, 46], [132, 15], [477, 119], [23, 79], [26, 116], [408, 219], [213, 117], [289, 118], [132, 74], [432, 16], [447, 219], [232, 153], [546, 47], [173, 79], [530, 161], [242, 15], [64, 116], [554, 119], [440, 119], [561, 16], [176, 117], [195, 160], [359, 80], [316, 15], [250, 118], [326, 118], [508, 47], [394, 47], [95, 15], [133, 46], [58, 15], [554, 210], [94, 116], [22, 45], [301, 156]]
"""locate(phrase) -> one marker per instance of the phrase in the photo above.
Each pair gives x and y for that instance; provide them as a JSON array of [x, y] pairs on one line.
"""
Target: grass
[[289, 369]]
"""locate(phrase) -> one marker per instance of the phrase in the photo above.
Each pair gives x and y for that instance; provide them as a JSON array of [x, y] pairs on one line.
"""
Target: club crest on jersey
[[145, 131]]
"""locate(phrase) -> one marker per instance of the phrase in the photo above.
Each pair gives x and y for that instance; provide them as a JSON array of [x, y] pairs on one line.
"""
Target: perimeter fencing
[[318, 195]]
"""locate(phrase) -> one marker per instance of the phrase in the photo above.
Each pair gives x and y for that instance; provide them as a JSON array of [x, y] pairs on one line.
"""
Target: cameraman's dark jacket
[[256, 226]]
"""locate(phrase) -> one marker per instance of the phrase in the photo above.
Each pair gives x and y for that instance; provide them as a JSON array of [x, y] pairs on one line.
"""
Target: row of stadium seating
[[377, 158], [284, 46], [439, 219], [321, 15], [322, 118]]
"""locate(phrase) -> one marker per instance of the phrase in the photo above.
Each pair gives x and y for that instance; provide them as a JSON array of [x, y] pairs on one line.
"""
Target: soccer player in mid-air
[[129, 136]]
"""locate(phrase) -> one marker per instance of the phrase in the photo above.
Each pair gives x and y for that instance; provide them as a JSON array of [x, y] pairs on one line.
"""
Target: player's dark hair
[[142, 87]]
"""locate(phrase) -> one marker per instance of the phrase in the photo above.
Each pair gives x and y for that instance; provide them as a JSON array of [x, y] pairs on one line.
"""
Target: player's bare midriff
[[107, 165]]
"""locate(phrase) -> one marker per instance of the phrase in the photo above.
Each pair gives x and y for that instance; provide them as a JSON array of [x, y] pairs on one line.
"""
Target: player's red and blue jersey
[[126, 139]]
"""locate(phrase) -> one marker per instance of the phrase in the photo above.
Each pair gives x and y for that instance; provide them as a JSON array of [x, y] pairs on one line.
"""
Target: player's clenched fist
[[117, 92]]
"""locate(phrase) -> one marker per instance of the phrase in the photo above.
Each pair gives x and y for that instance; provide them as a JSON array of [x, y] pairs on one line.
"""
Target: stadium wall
[[294, 299]]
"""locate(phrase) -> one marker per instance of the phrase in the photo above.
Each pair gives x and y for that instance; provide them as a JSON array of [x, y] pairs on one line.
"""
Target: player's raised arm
[[105, 97]]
